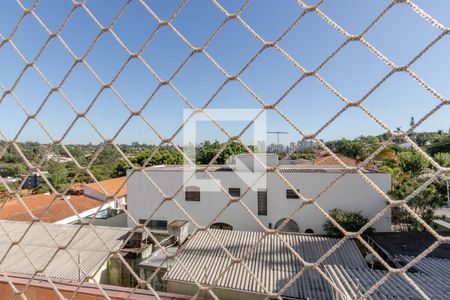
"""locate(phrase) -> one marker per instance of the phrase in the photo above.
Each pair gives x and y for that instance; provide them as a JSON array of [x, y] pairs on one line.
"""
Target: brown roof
[[111, 186], [57, 208], [329, 160]]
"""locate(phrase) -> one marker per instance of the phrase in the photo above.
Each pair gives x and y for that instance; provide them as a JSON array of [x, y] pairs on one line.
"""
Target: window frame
[[152, 224], [233, 190], [192, 193], [258, 199], [291, 195]]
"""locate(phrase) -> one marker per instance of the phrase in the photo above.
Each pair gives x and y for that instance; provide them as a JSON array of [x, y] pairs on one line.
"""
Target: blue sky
[[399, 35]]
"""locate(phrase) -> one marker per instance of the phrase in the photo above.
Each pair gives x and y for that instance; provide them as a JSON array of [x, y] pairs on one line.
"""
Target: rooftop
[[47, 207], [271, 260], [303, 168], [354, 282], [115, 186], [329, 160], [38, 247], [410, 243]]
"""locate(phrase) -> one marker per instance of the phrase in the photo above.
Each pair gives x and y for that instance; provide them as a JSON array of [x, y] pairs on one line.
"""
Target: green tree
[[353, 149], [58, 181], [440, 144], [351, 221], [12, 169], [427, 201], [163, 156], [442, 159], [412, 162], [309, 155], [207, 151]]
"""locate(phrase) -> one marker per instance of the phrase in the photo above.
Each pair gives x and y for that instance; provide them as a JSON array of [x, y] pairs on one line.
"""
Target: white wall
[[351, 192]]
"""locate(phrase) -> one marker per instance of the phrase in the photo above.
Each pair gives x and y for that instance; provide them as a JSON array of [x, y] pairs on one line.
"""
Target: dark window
[[158, 224], [309, 230], [155, 224], [192, 193], [290, 194], [262, 203], [234, 192], [223, 226]]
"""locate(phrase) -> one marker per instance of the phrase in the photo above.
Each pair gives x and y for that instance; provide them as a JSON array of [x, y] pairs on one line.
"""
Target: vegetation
[[351, 221], [409, 169], [207, 151]]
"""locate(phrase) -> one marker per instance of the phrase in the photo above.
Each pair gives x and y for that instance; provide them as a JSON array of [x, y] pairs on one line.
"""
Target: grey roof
[[431, 266], [40, 248], [410, 243], [354, 282], [159, 259], [271, 261], [282, 168]]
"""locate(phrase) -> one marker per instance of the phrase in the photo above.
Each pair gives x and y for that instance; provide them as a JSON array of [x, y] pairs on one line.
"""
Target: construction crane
[[278, 134]]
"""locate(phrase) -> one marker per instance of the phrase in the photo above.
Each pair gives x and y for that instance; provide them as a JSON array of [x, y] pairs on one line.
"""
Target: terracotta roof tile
[[57, 208], [329, 160], [111, 186]]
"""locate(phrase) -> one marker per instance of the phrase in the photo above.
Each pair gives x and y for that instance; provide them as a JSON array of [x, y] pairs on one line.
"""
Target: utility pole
[[278, 134]]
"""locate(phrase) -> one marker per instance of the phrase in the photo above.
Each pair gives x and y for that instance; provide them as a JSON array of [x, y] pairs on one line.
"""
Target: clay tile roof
[[12, 209], [329, 160], [111, 186]]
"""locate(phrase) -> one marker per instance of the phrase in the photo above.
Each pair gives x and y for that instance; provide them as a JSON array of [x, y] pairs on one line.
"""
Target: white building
[[271, 200]]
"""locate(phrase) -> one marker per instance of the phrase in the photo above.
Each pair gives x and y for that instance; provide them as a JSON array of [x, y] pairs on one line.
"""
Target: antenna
[[278, 134]]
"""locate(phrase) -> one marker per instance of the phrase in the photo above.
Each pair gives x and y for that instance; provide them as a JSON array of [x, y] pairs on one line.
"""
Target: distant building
[[58, 158], [305, 145], [32, 180], [261, 146], [271, 202]]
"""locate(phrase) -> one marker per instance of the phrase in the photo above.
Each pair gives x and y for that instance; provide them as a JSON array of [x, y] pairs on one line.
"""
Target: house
[[330, 161], [107, 190], [114, 192], [32, 180], [272, 263], [52, 209], [84, 255], [270, 200]]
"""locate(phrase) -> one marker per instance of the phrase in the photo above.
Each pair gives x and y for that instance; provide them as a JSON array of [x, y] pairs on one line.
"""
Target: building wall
[[186, 288], [351, 192], [119, 220]]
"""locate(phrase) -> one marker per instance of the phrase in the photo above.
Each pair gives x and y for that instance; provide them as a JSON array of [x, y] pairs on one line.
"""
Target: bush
[[351, 221]]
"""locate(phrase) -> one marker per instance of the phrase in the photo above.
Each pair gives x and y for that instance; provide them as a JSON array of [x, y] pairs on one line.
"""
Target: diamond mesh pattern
[[82, 59]]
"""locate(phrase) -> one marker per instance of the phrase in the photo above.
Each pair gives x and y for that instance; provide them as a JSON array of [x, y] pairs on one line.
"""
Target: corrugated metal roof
[[354, 282], [159, 259], [281, 168], [431, 266], [271, 261], [38, 245]]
